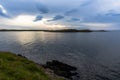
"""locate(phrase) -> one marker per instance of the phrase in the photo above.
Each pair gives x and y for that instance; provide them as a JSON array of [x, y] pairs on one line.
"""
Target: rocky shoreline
[[57, 68], [62, 69]]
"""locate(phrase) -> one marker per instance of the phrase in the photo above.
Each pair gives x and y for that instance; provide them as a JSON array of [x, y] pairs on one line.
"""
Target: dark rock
[[102, 77], [62, 69], [21, 55]]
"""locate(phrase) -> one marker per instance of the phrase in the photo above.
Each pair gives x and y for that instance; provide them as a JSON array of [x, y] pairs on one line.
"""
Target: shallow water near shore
[[95, 54]]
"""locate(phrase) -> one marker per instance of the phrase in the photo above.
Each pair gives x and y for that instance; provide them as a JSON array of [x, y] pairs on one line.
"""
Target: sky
[[60, 14]]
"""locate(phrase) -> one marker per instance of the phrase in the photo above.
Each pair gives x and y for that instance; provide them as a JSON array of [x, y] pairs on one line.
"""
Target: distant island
[[62, 30]]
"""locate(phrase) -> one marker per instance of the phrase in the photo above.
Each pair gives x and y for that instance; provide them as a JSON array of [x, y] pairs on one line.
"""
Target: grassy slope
[[13, 67]]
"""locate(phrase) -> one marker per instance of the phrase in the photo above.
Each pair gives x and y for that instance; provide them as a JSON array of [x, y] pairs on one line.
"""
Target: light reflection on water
[[24, 37], [96, 55]]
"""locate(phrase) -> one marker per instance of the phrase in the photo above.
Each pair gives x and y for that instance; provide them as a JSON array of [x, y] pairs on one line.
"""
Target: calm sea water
[[96, 54]]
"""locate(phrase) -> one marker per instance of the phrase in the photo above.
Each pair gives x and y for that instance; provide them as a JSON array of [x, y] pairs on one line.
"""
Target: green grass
[[13, 67]]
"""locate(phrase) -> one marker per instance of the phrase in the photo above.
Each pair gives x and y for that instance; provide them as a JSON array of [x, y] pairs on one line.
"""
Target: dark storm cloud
[[113, 14], [75, 19], [105, 18], [38, 18], [70, 12], [57, 17], [42, 8]]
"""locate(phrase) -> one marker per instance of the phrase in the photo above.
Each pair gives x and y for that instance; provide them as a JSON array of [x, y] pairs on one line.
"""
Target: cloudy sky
[[60, 14]]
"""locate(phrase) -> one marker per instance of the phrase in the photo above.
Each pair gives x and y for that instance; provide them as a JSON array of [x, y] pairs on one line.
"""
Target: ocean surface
[[95, 54]]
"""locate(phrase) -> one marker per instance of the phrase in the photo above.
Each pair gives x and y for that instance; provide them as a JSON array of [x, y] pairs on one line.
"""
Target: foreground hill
[[13, 67]]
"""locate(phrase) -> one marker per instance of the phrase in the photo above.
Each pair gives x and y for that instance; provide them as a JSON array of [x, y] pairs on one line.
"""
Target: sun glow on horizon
[[27, 21]]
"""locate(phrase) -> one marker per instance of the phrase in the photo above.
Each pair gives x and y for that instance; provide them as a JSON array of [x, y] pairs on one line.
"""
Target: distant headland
[[62, 30]]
